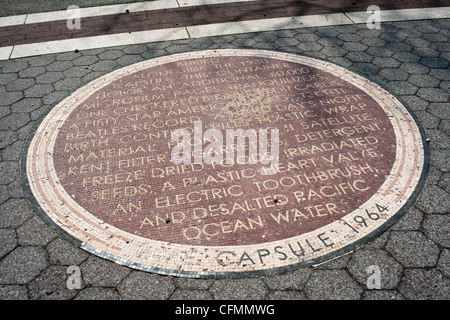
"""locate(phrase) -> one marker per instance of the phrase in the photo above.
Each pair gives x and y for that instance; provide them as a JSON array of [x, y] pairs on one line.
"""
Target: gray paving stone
[[309, 46], [423, 81], [440, 160], [15, 66], [393, 74], [242, 43], [444, 126], [416, 103], [146, 286], [41, 61], [85, 60], [390, 270], [59, 66], [96, 293], [427, 52], [380, 52], [332, 285], [383, 295], [20, 84], [359, 56], [8, 170], [417, 42], [399, 46], [110, 54], [13, 292], [441, 110], [434, 62], [188, 283], [373, 41], [437, 228], [26, 105], [22, 265], [438, 139], [151, 54], [434, 175], [412, 249], [307, 37], [409, 33], [51, 284], [334, 51], [6, 78], [444, 182], [286, 295], [444, 262], [4, 111], [203, 43], [428, 120], [239, 289], [420, 284], [35, 232], [386, 62], [181, 294], [39, 90], [67, 84], [8, 98], [338, 263], [129, 59], [330, 42], [104, 65], [365, 68], [54, 97], [14, 121], [441, 46], [402, 87], [441, 74], [6, 137], [295, 280], [406, 57], [286, 42], [49, 77], [4, 194], [31, 72], [264, 37], [74, 72], [14, 212], [8, 240], [99, 272], [284, 33], [62, 252], [13, 151], [67, 56], [414, 68], [178, 48]]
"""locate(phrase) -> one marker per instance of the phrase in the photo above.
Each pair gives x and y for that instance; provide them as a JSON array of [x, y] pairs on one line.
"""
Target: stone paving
[[410, 59]]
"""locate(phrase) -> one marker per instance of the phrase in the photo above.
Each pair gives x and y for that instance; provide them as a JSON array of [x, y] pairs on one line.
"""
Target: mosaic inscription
[[345, 168]]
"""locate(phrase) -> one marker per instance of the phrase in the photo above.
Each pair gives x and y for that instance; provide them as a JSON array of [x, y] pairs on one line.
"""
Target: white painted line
[[103, 10], [268, 25], [5, 52], [12, 20], [109, 9], [190, 3], [403, 14], [28, 50]]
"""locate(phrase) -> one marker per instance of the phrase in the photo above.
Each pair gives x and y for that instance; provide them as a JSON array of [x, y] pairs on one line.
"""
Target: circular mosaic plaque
[[226, 163]]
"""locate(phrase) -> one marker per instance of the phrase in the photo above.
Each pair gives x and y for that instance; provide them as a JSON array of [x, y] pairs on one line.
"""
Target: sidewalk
[[410, 58]]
